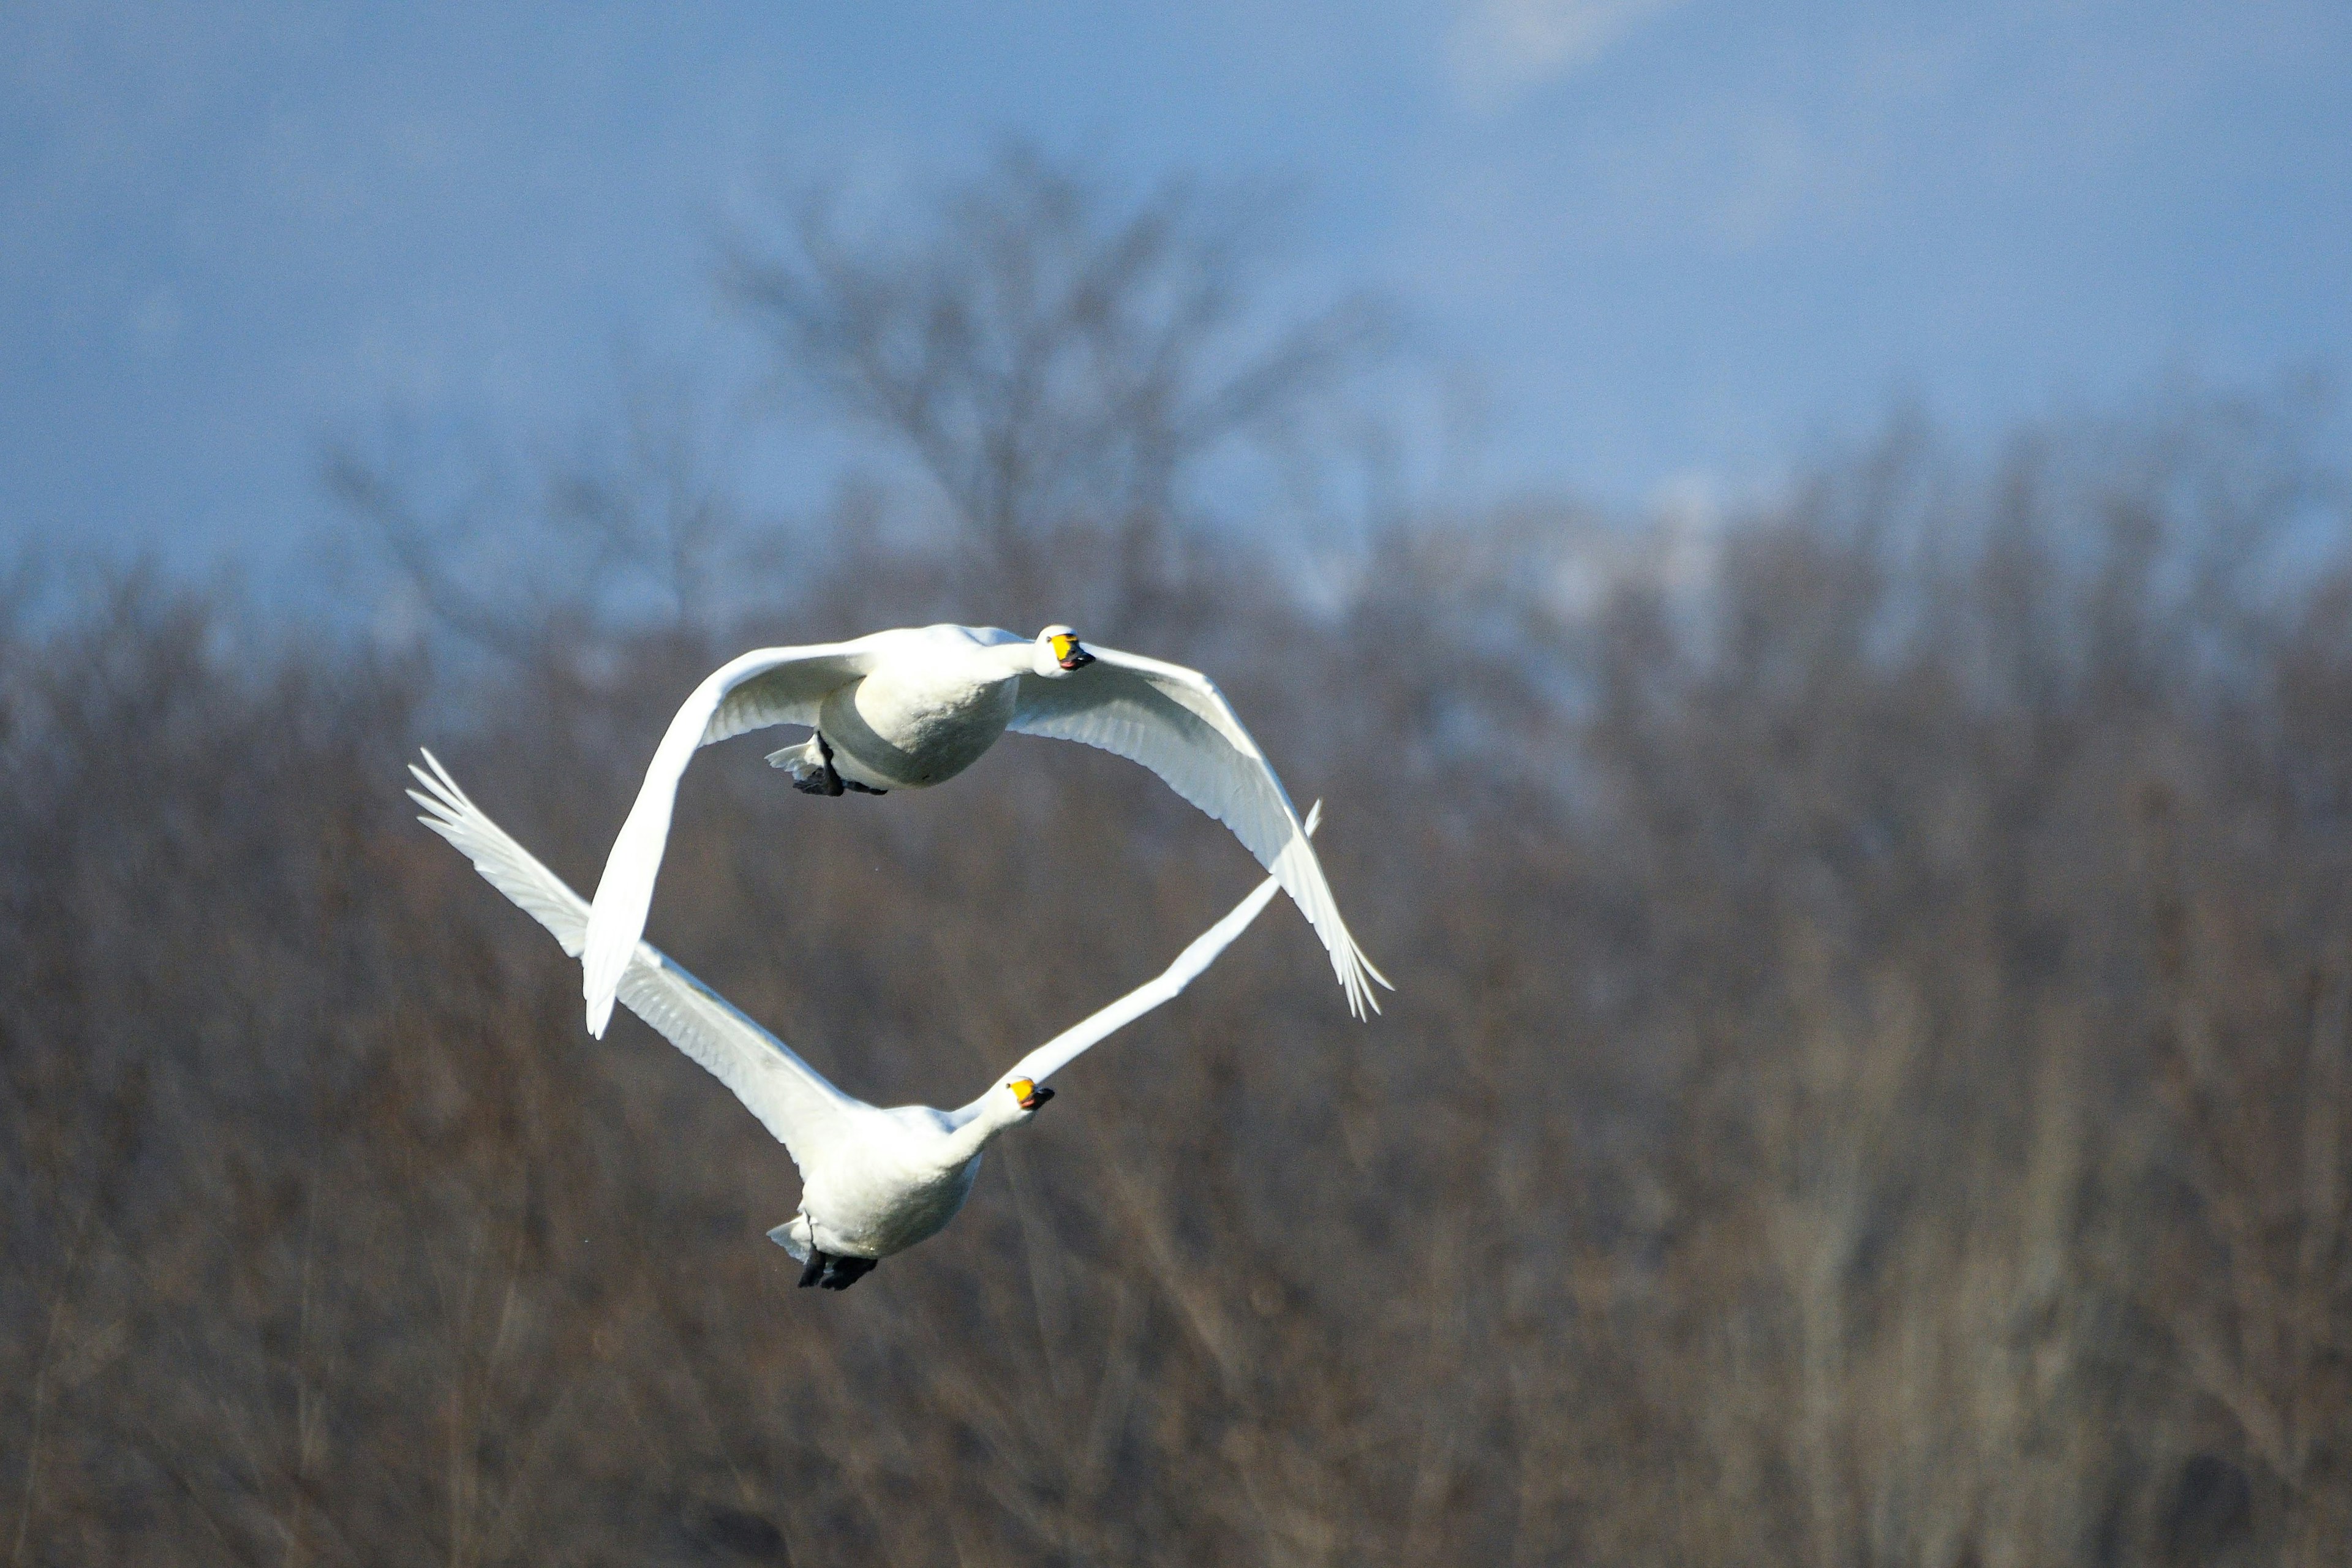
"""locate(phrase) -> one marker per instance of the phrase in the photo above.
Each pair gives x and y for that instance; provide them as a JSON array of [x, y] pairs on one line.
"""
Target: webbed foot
[[841, 1273]]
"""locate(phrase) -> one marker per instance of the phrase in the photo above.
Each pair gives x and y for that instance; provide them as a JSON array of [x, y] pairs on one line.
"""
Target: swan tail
[[802, 761], [792, 1236]]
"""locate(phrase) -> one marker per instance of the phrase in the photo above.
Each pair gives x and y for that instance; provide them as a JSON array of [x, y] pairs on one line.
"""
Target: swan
[[874, 1181], [914, 707]]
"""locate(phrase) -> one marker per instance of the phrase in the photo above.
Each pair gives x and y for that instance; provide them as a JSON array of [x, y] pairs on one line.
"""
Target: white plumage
[[874, 1181], [914, 707]]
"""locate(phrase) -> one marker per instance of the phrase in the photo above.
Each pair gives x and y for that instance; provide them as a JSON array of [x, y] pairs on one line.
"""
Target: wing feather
[[1203, 951], [767, 686], [806, 1113], [1176, 722]]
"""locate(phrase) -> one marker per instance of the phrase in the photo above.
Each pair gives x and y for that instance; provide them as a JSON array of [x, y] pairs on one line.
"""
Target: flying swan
[[915, 707], [874, 1182]]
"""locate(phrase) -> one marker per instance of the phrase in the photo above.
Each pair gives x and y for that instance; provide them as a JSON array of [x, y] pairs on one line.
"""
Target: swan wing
[[1073, 1042], [767, 686], [807, 1114], [1176, 722]]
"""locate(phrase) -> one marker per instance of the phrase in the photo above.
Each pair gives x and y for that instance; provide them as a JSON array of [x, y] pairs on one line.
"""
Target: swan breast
[[884, 1207], [913, 722]]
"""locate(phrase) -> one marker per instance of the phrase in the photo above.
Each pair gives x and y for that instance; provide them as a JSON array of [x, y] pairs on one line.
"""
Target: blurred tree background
[[1867, 1083]]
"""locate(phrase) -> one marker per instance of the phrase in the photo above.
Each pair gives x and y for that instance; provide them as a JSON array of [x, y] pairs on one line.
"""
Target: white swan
[[873, 1181], [915, 707]]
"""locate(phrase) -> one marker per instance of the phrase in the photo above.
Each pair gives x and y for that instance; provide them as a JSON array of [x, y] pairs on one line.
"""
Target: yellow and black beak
[[1030, 1095], [1066, 649]]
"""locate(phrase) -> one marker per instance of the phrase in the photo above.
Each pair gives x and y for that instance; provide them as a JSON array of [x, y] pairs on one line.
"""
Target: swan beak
[[1066, 649], [1030, 1095]]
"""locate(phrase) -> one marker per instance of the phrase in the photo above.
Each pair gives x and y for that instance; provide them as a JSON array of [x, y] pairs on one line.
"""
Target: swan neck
[[967, 1141]]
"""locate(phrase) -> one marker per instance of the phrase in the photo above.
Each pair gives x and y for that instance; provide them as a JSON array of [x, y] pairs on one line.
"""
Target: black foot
[[841, 1273], [815, 1269], [825, 782], [855, 788]]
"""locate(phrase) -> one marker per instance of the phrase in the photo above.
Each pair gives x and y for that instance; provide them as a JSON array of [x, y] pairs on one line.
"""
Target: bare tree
[[1051, 357], [635, 522]]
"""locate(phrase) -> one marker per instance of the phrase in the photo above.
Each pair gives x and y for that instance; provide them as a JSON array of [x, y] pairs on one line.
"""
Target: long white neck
[[978, 1124], [1013, 657]]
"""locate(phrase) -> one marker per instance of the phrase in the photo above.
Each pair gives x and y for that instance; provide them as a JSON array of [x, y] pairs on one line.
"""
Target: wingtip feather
[[1356, 974], [600, 978]]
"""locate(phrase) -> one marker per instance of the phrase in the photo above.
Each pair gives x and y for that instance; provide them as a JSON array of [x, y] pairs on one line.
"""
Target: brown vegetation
[[1867, 1084]]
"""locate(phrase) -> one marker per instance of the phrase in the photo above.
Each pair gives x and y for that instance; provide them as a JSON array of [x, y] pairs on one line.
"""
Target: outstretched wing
[[1177, 723], [791, 1098], [1073, 1042], [767, 686]]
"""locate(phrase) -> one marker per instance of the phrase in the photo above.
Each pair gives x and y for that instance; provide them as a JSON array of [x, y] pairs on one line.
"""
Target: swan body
[[914, 707], [875, 1180], [918, 1167], [936, 699]]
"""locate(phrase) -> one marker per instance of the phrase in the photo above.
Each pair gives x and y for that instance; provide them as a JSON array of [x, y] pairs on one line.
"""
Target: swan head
[[1059, 653], [1028, 1095]]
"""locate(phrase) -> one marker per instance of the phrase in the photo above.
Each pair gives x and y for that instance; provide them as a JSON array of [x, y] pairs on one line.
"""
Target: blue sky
[[1673, 242]]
